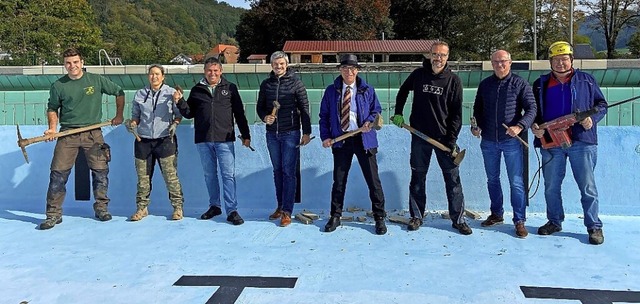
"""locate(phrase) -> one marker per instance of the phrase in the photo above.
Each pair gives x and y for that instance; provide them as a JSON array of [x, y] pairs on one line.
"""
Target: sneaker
[[381, 227], [548, 229], [521, 230], [414, 224], [275, 215], [492, 220], [235, 218], [463, 228], [50, 222], [286, 219], [213, 211], [595, 236], [103, 215], [140, 214], [177, 214]]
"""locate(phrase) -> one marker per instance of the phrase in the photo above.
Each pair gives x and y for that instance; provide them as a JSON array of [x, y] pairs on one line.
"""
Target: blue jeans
[[583, 159], [284, 158], [213, 154], [512, 151]]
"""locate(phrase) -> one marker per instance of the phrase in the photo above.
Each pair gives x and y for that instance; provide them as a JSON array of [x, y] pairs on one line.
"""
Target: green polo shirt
[[79, 102]]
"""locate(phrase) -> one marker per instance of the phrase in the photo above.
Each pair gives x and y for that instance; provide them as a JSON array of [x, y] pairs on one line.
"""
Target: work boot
[[50, 222], [140, 214], [177, 214], [276, 214], [414, 224], [595, 236], [332, 224], [235, 218], [548, 229], [463, 228], [103, 215], [213, 211], [285, 220], [492, 220], [521, 230], [381, 227]]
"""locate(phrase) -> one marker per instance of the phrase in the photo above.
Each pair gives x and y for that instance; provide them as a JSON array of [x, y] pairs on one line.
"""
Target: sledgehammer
[[456, 156], [377, 125], [23, 142]]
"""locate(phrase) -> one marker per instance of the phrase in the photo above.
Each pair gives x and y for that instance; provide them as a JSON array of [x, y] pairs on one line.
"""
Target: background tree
[[487, 26], [270, 23], [612, 16], [36, 32], [155, 31], [634, 45]]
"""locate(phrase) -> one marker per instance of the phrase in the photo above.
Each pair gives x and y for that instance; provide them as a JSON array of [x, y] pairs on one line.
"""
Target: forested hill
[[140, 31], [35, 32]]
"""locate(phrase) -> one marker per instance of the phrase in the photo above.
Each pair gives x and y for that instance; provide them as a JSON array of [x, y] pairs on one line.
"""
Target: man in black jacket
[[501, 100], [436, 112], [213, 103], [284, 89]]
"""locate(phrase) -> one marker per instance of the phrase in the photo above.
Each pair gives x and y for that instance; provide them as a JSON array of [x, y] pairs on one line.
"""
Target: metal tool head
[[22, 145], [458, 157], [276, 105], [377, 122]]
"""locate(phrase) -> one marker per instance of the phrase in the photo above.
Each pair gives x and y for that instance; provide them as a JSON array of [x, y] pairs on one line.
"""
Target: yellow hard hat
[[560, 48]]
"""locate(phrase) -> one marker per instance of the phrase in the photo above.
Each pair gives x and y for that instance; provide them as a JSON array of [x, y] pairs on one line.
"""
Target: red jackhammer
[[558, 135]]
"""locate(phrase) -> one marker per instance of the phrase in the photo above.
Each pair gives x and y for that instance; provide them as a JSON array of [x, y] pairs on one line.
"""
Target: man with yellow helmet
[[563, 91]]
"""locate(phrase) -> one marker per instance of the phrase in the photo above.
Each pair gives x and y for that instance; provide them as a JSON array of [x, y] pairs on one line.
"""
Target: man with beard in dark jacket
[[436, 112], [213, 104], [283, 129]]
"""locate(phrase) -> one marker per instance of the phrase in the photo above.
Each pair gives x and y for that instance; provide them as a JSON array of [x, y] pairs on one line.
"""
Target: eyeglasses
[[503, 62], [348, 68], [556, 60], [436, 55]]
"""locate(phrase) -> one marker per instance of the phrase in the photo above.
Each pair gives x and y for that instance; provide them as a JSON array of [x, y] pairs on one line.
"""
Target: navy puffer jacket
[[290, 92], [501, 101]]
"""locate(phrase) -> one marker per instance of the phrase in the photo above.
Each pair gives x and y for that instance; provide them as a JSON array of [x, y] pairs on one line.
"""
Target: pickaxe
[[377, 125], [132, 130], [455, 155], [23, 142]]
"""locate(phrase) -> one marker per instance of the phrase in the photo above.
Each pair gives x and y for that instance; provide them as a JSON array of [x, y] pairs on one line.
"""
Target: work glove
[[131, 125], [397, 120], [172, 129]]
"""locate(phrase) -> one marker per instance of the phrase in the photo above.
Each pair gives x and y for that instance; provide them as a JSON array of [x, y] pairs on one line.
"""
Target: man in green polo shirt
[[75, 101]]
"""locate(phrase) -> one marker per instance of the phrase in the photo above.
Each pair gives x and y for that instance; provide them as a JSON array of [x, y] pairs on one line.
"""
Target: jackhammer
[[558, 135]]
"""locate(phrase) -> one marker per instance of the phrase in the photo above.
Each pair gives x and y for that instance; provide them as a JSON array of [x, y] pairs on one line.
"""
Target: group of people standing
[[349, 110]]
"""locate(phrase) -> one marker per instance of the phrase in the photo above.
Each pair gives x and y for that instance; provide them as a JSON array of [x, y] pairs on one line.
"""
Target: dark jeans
[[342, 158], [284, 158], [420, 159]]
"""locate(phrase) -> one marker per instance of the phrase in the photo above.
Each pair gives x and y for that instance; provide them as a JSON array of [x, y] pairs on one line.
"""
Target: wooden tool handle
[[426, 138], [32, 140], [518, 137]]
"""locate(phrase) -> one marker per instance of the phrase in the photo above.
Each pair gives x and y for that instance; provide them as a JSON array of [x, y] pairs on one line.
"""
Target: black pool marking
[[586, 296], [232, 286]]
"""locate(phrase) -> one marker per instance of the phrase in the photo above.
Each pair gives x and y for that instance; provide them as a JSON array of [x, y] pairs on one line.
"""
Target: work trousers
[[98, 155]]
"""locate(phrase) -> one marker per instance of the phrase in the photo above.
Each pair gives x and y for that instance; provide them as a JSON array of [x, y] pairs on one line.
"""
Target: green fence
[[23, 98]]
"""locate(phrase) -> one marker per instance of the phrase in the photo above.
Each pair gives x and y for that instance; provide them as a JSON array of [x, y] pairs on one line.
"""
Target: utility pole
[[535, 30], [571, 22]]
